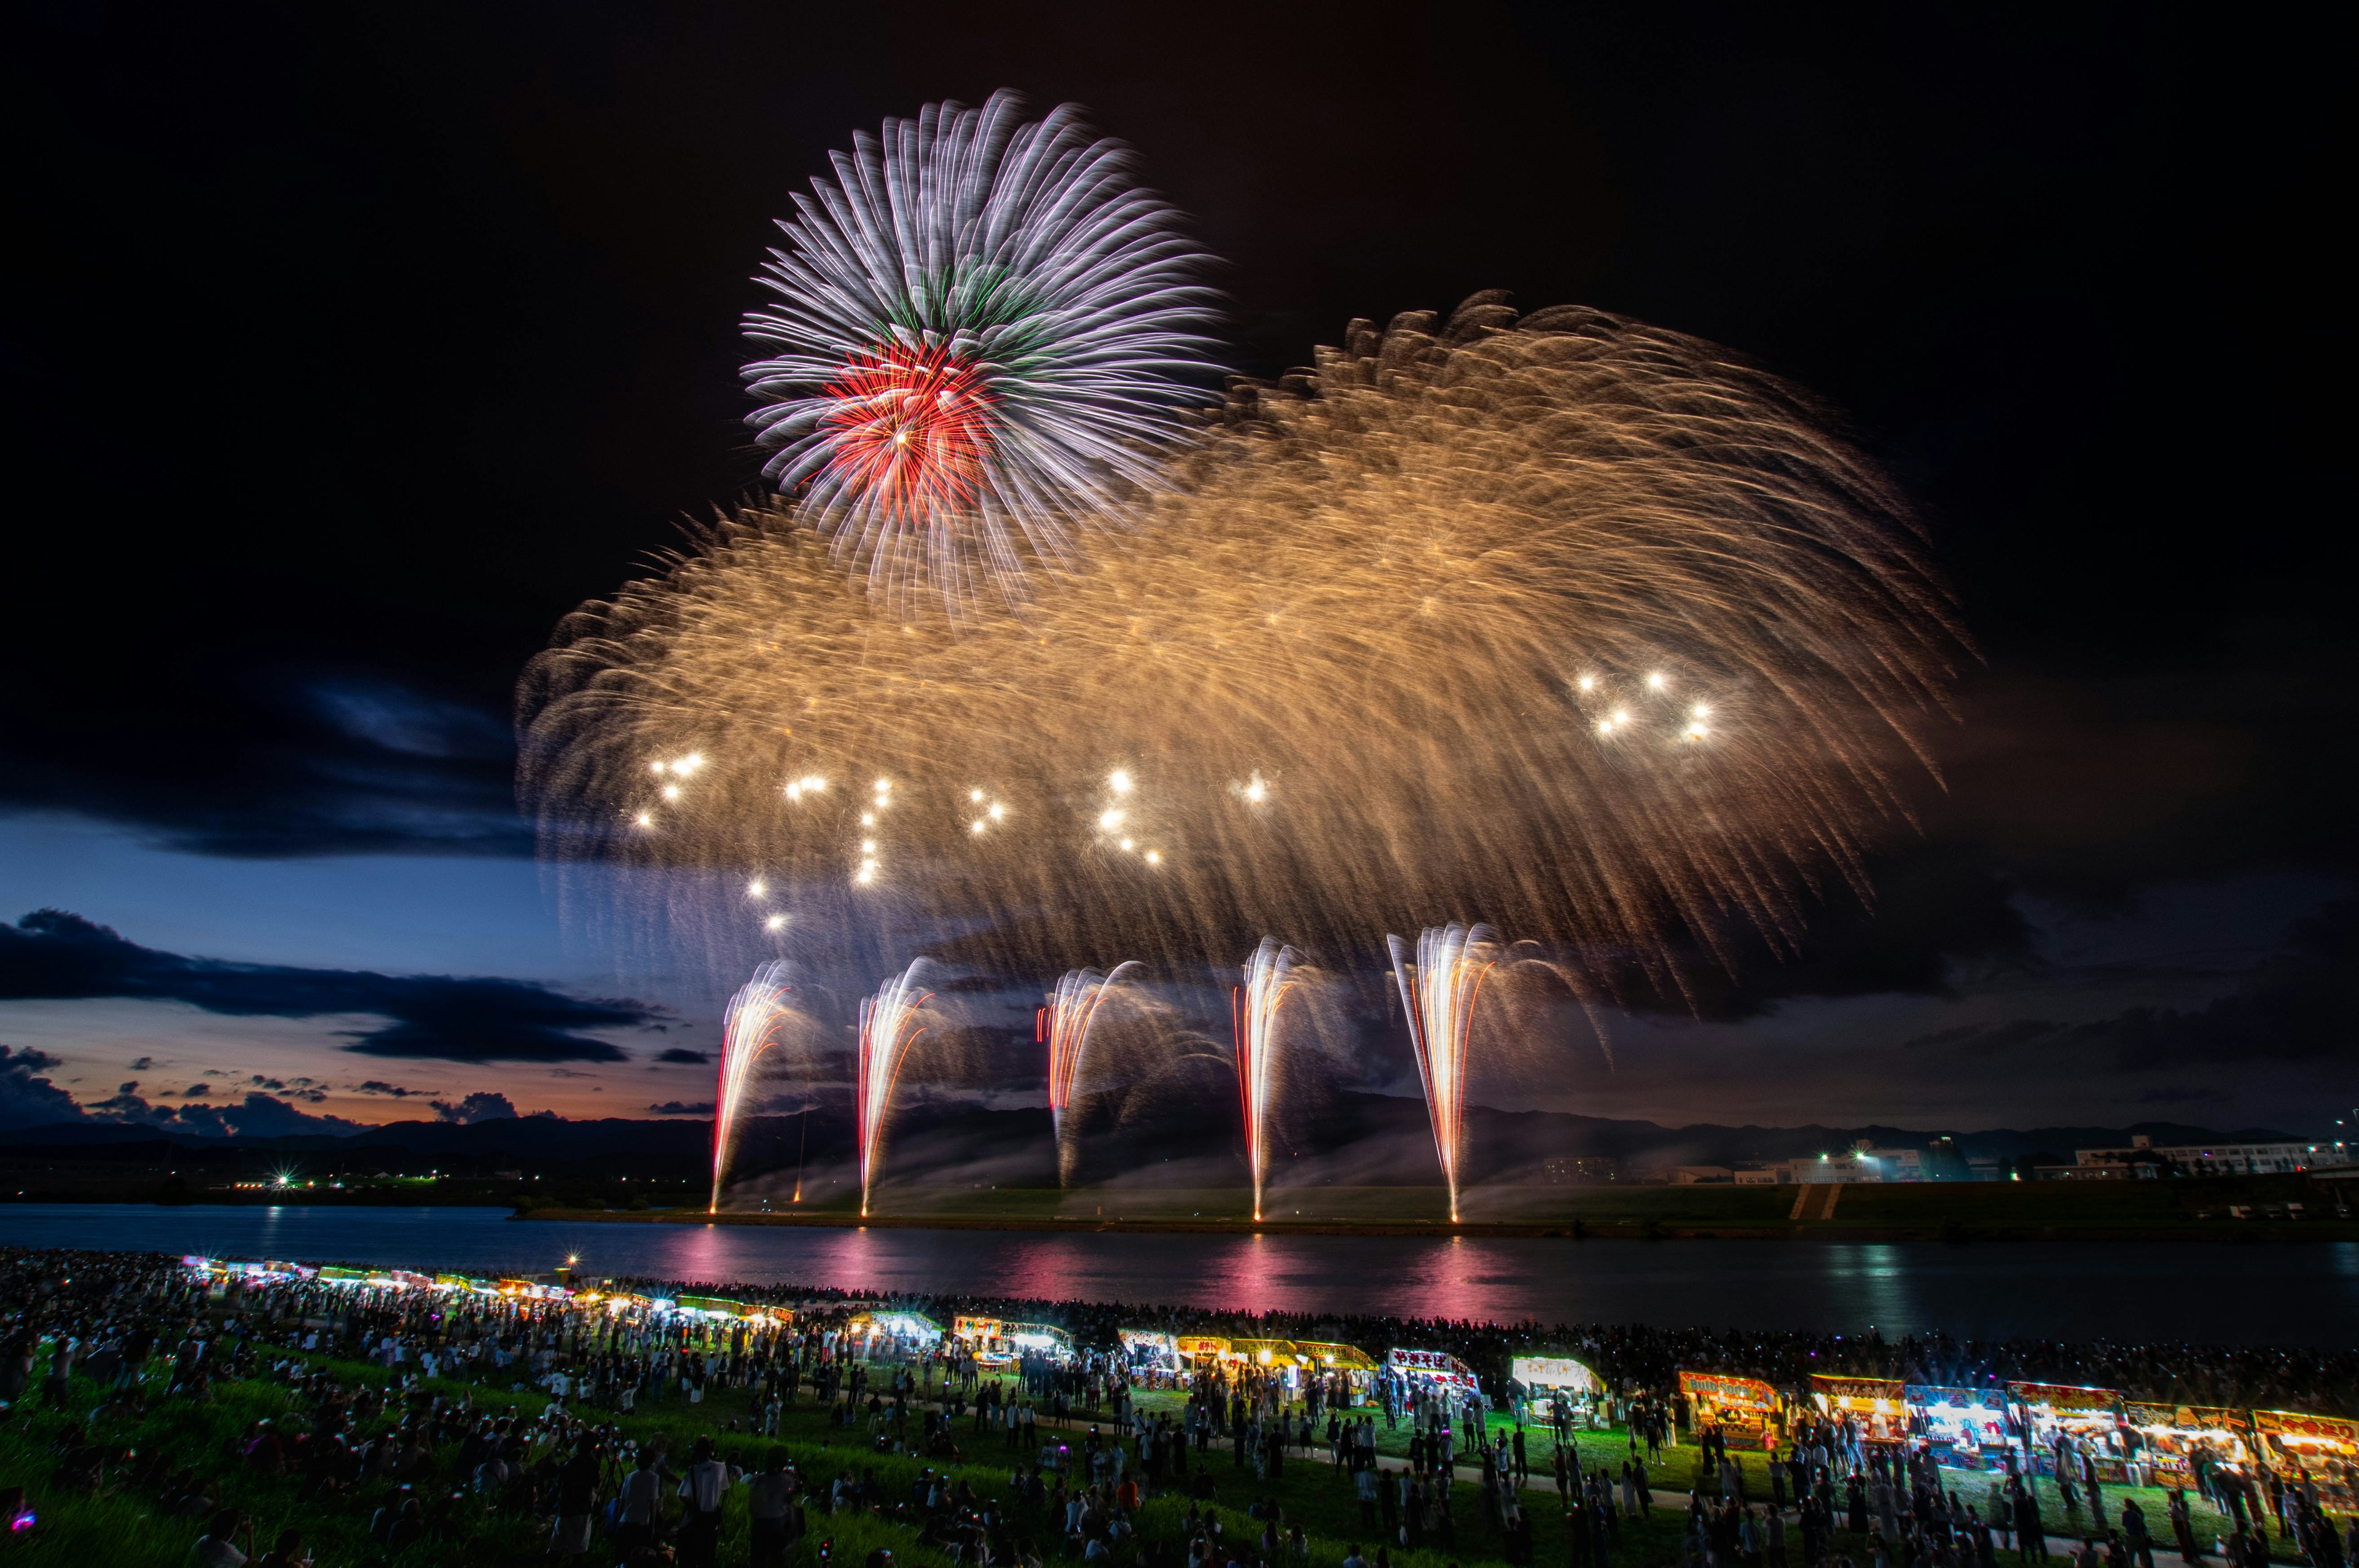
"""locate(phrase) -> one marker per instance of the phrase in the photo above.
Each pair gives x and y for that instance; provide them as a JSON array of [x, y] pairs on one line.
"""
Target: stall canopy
[[1962, 1418], [2326, 1446], [1331, 1358], [1560, 1374], [1433, 1367], [1878, 1406], [1745, 1408]]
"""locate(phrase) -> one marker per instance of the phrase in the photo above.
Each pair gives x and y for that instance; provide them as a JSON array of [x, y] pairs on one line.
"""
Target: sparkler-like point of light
[[1063, 1026], [1269, 978], [749, 1028], [1438, 993], [889, 1028]]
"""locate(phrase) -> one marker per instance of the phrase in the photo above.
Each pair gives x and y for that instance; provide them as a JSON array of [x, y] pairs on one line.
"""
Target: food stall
[[1746, 1410], [2092, 1417], [997, 1342], [1965, 1428], [1148, 1351], [1878, 1407], [1350, 1372], [1550, 1381], [1433, 1371], [2324, 1446], [2169, 1443]]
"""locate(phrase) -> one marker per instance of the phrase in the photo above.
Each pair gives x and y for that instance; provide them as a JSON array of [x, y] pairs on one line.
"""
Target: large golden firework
[[1569, 623]]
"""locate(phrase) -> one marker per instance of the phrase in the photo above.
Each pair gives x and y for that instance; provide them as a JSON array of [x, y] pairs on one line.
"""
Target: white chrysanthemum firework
[[983, 333]]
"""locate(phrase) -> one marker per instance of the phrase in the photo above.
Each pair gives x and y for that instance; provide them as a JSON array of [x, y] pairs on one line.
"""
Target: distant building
[[1700, 1175], [1759, 1176], [1580, 1170], [2143, 1159]]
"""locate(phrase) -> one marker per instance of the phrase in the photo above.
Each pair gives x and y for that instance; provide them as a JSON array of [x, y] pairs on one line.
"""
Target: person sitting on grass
[[288, 1554], [218, 1547]]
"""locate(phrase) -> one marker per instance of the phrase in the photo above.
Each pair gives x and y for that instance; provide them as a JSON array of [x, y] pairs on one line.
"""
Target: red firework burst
[[910, 429]]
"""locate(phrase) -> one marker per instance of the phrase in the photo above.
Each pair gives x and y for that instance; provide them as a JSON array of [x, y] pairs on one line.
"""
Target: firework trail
[[1570, 619], [1268, 977], [982, 333], [1438, 992], [886, 1037], [749, 1028], [1064, 1027]]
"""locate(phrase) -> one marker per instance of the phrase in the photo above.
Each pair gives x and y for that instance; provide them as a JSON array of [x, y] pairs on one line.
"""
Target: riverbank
[[2243, 1210]]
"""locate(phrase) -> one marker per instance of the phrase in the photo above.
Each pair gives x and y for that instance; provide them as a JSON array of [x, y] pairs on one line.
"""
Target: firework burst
[[1570, 619], [982, 334]]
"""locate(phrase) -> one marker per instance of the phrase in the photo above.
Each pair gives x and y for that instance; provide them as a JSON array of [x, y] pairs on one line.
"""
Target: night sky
[[347, 347]]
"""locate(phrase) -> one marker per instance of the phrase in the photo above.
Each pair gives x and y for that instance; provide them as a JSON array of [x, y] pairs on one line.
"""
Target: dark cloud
[[259, 1081], [682, 1108], [379, 1086], [2299, 1007], [141, 1063], [51, 955], [261, 763], [257, 1116], [683, 1056], [196, 1091], [2182, 1097], [475, 1107], [28, 1099], [128, 1086]]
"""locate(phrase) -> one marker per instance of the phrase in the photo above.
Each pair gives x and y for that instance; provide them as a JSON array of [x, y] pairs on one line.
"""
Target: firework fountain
[[1438, 991], [1268, 977], [749, 1029], [889, 1028], [1064, 1027]]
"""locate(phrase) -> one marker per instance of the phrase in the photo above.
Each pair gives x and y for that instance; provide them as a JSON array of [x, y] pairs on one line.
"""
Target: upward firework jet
[[749, 1029], [889, 1028], [1268, 977], [1438, 993], [982, 333], [1064, 1028], [1573, 620]]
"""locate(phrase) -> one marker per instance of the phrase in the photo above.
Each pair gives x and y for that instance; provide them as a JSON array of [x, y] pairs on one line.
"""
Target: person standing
[[775, 1518]]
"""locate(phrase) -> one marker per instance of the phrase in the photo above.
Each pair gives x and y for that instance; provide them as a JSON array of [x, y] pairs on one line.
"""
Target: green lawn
[[122, 1531]]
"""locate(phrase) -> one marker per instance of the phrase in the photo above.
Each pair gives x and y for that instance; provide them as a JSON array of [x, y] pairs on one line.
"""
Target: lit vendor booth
[[1001, 1342], [1432, 1371], [1349, 1371], [2181, 1445], [2092, 1416], [1557, 1384], [1748, 1411], [1965, 1428], [2323, 1447], [1877, 1407], [1147, 1351]]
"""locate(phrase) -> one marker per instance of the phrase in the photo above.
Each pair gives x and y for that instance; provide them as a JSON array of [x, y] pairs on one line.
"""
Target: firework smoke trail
[[983, 334], [1622, 591], [1439, 993], [1064, 1027], [886, 1036], [1268, 977], [749, 1028]]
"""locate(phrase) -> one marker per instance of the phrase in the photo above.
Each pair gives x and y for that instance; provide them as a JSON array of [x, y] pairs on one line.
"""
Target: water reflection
[[2286, 1294]]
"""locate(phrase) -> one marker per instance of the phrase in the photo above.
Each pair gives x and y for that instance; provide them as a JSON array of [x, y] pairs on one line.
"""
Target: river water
[[2215, 1293]]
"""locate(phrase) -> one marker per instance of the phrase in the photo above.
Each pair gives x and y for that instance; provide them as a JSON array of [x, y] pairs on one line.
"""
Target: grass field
[[125, 1531]]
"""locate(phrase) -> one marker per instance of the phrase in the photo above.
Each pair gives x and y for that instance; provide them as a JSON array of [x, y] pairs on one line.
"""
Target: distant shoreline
[[2232, 1232]]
